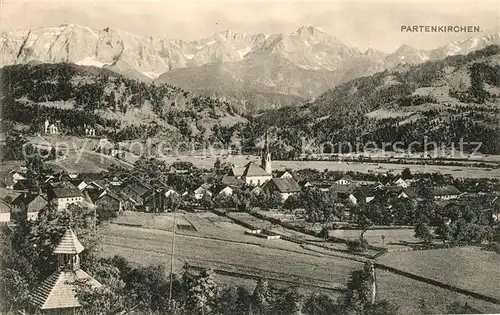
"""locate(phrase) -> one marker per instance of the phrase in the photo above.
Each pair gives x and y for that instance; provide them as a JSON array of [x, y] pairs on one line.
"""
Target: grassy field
[[469, 268], [393, 238], [265, 259], [407, 293], [88, 162], [283, 262]]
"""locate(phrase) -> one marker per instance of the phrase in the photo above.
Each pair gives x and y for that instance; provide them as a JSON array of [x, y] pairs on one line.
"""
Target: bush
[[359, 245]]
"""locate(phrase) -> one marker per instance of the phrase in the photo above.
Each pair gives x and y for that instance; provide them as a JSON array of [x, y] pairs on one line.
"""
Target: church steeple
[[266, 156]]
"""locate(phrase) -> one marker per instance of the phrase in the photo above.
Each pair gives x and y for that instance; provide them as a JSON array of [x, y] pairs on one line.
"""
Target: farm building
[[284, 186], [25, 206]]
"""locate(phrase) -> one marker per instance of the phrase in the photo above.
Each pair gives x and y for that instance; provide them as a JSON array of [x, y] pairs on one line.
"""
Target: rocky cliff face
[[301, 64]]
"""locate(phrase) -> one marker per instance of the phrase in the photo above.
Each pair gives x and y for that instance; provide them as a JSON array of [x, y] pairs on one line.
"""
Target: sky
[[361, 24]]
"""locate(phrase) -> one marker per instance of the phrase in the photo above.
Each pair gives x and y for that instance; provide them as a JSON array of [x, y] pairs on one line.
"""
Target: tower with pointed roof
[[56, 294], [266, 157]]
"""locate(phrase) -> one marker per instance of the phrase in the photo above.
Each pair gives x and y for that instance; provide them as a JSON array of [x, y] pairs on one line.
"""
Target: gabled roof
[[411, 193], [252, 169], [23, 199], [279, 174], [236, 171], [343, 189], [203, 188], [69, 244], [65, 190], [232, 181], [34, 203], [285, 185], [58, 290], [138, 188]]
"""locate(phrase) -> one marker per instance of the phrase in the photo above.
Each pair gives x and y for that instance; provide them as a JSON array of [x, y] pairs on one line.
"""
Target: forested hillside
[[447, 100], [75, 96]]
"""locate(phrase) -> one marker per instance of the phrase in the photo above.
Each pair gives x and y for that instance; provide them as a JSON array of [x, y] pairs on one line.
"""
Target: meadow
[[151, 246], [238, 256], [387, 238], [470, 268]]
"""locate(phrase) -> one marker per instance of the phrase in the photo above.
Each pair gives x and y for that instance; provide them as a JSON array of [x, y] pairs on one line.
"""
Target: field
[[86, 161], [392, 238], [468, 268], [408, 294], [149, 246], [236, 258]]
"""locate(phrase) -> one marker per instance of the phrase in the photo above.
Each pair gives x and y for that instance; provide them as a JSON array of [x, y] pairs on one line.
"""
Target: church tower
[[266, 157], [57, 293]]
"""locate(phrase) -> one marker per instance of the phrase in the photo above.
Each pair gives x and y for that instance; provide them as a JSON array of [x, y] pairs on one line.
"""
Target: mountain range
[[255, 71]]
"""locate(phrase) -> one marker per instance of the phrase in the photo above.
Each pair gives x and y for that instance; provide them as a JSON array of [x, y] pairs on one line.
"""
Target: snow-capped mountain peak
[[307, 47]]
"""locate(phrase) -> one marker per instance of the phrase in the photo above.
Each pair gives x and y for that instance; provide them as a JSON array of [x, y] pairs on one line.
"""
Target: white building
[[63, 194]]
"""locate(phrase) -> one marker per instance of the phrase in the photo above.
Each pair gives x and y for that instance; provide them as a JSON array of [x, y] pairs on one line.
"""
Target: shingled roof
[[284, 185], [65, 190], [252, 169], [69, 244], [58, 290]]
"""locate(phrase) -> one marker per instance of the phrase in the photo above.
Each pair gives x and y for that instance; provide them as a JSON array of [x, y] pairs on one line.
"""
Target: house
[[236, 172], [232, 181], [26, 206], [227, 190], [363, 194], [402, 183], [62, 194], [255, 175], [5, 211], [344, 181], [180, 168], [284, 186], [50, 128], [79, 183], [322, 185], [305, 183], [115, 181], [89, 131], [21, 184], [408, 193], [57, 293], [283, 174], [109, 200], [342, 192], [203, 190], [137, 192], [448, 192], [17, 176]]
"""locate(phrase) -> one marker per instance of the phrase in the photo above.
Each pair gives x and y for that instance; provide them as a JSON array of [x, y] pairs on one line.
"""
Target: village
[[352, 216]]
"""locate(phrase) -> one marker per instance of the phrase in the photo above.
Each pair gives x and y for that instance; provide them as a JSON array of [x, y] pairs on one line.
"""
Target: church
[[256, 175]]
